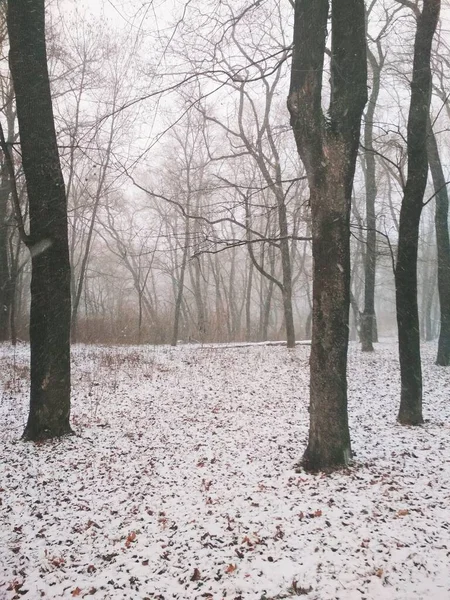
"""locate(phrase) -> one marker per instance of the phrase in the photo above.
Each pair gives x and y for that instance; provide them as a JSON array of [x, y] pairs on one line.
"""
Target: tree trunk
[[368, 321], [428, 307], [180, 288], [248, 304], [406, 270], [5, 279], [328, 148], [443, 247], [286, 290], [5, 192], [48, 241]]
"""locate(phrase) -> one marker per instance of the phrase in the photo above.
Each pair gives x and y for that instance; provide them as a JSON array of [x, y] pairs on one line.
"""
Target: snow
[[181, 481]]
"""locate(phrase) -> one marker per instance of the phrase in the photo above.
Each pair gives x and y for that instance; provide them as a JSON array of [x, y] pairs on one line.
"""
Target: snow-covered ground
[[181, 482]]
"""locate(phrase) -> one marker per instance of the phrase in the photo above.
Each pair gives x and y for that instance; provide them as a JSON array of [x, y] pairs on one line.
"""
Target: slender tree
[[47, 240], [406, 270], [8, 109], [328, 146], [442, 245], [368, 318]]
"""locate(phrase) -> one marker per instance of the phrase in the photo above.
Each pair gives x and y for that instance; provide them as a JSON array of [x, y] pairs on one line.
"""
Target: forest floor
[[181, 481]]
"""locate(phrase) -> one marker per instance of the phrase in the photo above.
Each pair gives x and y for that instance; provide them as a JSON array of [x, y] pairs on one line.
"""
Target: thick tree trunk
[[328, 148], [48, 240], [410, 412], [329, 438], [443, 247]]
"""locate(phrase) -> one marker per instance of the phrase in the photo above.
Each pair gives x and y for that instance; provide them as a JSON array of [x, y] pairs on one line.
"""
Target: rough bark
[[410, 412], [443, 247], [328, 148], [50, 286]]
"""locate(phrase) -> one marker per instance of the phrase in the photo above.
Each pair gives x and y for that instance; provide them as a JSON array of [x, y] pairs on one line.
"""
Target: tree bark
[[180, 287], [328, 148], [5, 193], [48, 240], [248, 303], [443, 247], [410, 412], [368, 320], [5, 278]]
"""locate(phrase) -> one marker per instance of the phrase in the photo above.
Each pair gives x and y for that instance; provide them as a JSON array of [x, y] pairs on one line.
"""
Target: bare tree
[[410, 412], [443, 246], [376, 61], [6, 289], [328, 147], [48, 239]]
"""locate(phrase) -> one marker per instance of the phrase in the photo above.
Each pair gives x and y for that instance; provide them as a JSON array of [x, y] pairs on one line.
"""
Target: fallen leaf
[[196, 576], [402, 512], [131, 537], [230, 569], [76, 591]]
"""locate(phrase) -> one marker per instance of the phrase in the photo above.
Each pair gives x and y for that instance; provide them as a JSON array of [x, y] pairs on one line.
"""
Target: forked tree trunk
[[328, 147], [443, 247], [50, 286], [410, 412]]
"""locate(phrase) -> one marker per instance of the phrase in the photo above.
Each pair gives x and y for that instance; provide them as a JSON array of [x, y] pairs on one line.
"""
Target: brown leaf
[[131, 537], [402, 512], [318, 513], [379, 572], [196, 576], [231, 569], [76, 591]]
